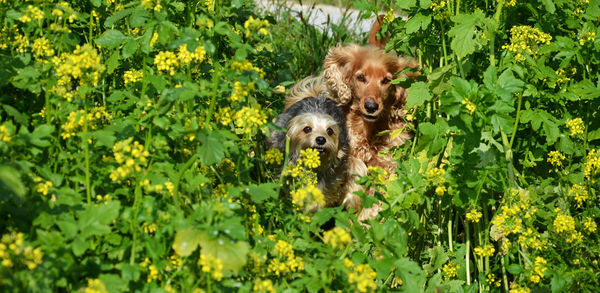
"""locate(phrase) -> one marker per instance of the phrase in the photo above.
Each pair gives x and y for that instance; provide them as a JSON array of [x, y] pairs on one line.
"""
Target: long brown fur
[[358, 78]]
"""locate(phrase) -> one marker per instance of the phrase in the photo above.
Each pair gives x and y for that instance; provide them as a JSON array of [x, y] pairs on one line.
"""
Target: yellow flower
[[525, 40], [450, 270], [575, 126], [249, 120], [589, 224], [42, 186], [555, 158], [587, 37], [32, 13], [84, 64], [471, 107], [224, 116], [336, 238], [273, 157], [537, 272], [363, 277], [519, 289], [592, 165], [256, 25], [580, 193], [132, 76], [307, 194], [485, 251], [474, 216], [246, 66], [41, 48], [95, 286], [131, 159], [440, 190], [212, 265], [240, 91], [166, 61], [263, 286], [310, 158], [564, 223], [390, 16], [4, 133]]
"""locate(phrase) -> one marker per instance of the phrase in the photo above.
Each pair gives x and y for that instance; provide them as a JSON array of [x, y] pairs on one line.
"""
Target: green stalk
[[133, 224], [187, 165], [514, 131], [450, 245], [213, 98], [468, 252], [504, 277], [88, 191]]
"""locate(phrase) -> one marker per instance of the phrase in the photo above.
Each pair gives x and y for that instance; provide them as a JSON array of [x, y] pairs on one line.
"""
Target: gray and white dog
[[318, 123]]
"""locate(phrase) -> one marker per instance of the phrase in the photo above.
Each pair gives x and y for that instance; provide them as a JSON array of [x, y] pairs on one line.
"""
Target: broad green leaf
[[111, 39], [211, 151], [27, 78], [233, 255], [418, 94], [129, 49], [20, 118], [79, 246], [41, 135], [264, 191], [549, 5], [417, 22], [10, 181], [96, 219], [402, 4], [120, 14], [463, 33], [113, 62], [413, 277], [186, 241], [514, 269]]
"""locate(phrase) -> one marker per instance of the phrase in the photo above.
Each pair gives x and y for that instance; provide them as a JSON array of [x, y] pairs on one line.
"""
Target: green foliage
[[132, 151]]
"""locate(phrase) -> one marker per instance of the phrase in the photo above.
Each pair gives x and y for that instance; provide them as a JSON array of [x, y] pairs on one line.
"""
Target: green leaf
[[111, 39], [418, 94], [514, 269], [116, 17], [130, 48], [113, 283], [79, 246], [41, 135], [186, 241], [413, 277], [20, 118], [10, 181], [27, 78], [113, 62], [433, 136], [402, 4], [211, 151], [463, 33], [417, 22], [264, 191], [233, 255], [549, 5], [95, 219], [139, 17]]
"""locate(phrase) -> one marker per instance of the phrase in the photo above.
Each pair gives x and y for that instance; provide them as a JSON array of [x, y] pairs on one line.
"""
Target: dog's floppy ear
[[336, 65], [402, 71]]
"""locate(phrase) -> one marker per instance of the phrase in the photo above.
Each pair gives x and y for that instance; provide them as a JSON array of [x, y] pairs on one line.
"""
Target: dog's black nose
[[371, 106], [320, 140]]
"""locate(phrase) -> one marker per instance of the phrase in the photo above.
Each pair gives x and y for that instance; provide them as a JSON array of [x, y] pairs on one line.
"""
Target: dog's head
[[316, 123], [361, 76], [317, 131]]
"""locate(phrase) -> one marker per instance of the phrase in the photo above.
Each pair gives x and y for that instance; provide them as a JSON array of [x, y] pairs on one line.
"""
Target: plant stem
[[468, 252], [213, 98], [514, 131], [86, 153], [133, 226], [187, 165]]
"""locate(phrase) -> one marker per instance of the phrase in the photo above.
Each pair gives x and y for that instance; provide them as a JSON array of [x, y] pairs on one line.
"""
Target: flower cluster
[[525, 40], [575, 126], [84, 64], [592, 165], [212, 265], [450, 270], [336, 238], [240, 91], [485, 251], [491, 280], [77, 119], [132, 76], [153, 273], [556, 158], [225, 116], [474, 215], [13, 249], [471, 107], [152, 5], [435, 176], [263, 286], [537, 272], [565, 225], [587, 37], [95, 286], [274, 157], [256, 25], [532, 239], [308, 195], [131, 158], [168, 61], [589, 224], [249, 120], [42, 186], [580, 193], [246, 66], [285, 261], [362, 276], [42, 48], [4, 133], [31, 13]]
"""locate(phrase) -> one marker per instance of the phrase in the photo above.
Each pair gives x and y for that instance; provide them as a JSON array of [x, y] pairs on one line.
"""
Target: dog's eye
[[307, 129], [385, 81], [329, 131], [361, 78]]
